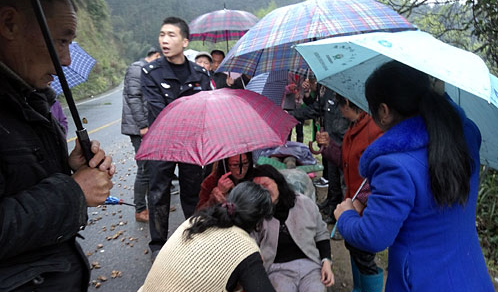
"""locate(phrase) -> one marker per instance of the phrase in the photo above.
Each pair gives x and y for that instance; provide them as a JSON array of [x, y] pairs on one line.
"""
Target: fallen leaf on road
[[118, 234], [172, 209], [115, 274], [95, 265], [100, 245], [102, 278], [146, 251]]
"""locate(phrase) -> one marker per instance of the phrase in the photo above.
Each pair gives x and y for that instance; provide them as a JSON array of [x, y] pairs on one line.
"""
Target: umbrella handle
[[310, 145], [85, 144]]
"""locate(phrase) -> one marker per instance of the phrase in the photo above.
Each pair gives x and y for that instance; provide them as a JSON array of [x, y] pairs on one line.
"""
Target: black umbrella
[[80, 130]]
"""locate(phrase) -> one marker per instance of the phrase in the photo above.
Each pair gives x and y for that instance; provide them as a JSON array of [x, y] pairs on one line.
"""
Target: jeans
[[161, 174], [141, 186]]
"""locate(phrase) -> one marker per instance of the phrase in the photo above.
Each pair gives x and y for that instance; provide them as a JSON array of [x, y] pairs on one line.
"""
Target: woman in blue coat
[[424, 176]]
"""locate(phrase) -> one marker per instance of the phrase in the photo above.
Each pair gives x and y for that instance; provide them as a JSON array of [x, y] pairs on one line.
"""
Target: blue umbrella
[[344, 63], [268, 45], [270, 84], [76, 73]]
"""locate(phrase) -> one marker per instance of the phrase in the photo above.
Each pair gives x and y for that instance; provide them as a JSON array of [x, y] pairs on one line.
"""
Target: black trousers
[[364, 260], [159, 197], [334, 192]]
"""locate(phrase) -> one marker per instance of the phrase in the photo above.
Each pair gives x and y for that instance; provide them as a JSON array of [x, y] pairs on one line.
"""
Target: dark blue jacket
[[431, 248], [41, 206], [160, 86]]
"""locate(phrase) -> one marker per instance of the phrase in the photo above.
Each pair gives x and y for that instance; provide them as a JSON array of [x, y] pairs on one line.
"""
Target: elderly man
[[44, 193]]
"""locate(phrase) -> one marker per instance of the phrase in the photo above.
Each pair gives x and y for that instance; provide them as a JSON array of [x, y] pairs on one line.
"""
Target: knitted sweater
[[202, 263]]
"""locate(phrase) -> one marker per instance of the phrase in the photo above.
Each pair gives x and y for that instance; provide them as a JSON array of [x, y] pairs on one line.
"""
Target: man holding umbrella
[[164, 80], [44, 194]]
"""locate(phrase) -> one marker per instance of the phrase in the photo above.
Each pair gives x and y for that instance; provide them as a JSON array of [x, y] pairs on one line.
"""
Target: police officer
[[163, 81]]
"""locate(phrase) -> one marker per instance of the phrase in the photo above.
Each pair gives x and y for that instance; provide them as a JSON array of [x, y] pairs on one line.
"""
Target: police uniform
[[160, 86]]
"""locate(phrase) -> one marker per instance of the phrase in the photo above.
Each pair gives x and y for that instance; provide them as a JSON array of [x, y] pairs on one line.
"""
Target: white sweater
[[202, 263]]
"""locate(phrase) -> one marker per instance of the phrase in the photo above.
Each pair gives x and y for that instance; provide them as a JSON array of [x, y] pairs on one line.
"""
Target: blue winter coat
[[431, 248]]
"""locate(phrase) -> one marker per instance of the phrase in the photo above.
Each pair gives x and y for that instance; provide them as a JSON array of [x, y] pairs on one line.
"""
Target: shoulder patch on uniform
[[201, 69], [150, 67]]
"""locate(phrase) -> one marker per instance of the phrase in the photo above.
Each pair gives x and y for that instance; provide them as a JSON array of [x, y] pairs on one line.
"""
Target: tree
[[485, 21], [472, 25]]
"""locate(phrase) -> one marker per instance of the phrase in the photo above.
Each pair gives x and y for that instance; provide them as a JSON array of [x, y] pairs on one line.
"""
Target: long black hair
[[408, 92], [246, 206], [286, 196]]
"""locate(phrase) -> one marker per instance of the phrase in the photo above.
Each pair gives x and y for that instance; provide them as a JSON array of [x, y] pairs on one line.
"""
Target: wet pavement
[[116, 245]]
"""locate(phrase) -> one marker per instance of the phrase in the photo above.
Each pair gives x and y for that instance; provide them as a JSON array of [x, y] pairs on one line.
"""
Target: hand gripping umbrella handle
[[310, 145], [80, 131]]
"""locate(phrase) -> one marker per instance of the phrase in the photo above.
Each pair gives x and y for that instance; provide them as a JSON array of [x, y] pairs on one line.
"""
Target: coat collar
[[359, 124], [19, 92], [194, 76], [407, 135]]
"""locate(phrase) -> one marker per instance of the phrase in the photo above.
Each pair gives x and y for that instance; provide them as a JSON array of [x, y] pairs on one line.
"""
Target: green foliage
[[485, 21], [136, 25], [487, 219], [470, 25], [261, 12], [95, 36]]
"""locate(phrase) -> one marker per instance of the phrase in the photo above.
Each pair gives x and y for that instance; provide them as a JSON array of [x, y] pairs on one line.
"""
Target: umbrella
[[212, 125], [191, 54], [270, 84], [268, 46], [76, 73], [221, 25], [344, 63]]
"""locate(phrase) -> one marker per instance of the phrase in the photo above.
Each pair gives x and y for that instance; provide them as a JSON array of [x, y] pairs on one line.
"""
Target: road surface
[[116, 245]]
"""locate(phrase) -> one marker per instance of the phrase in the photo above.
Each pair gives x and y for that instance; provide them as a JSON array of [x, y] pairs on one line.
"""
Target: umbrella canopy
[[190, 54], [76, 73], [268, 46], [212, 125], [270, 84], [343, 64], [221, 25]]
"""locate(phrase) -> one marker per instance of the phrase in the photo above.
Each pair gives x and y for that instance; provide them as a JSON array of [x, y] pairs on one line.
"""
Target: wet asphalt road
[[116, 245]]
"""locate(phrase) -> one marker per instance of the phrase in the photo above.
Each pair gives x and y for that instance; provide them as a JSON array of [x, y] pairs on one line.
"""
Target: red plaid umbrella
[[212, 125], [221, 25]]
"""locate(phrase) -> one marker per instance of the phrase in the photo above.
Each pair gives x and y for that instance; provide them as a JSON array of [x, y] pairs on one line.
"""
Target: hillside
[[95, 35], [136, 23]]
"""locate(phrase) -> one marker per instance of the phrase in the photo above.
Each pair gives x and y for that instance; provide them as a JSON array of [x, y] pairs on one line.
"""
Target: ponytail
[[448, 156], [408, 92], [246, 206]]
